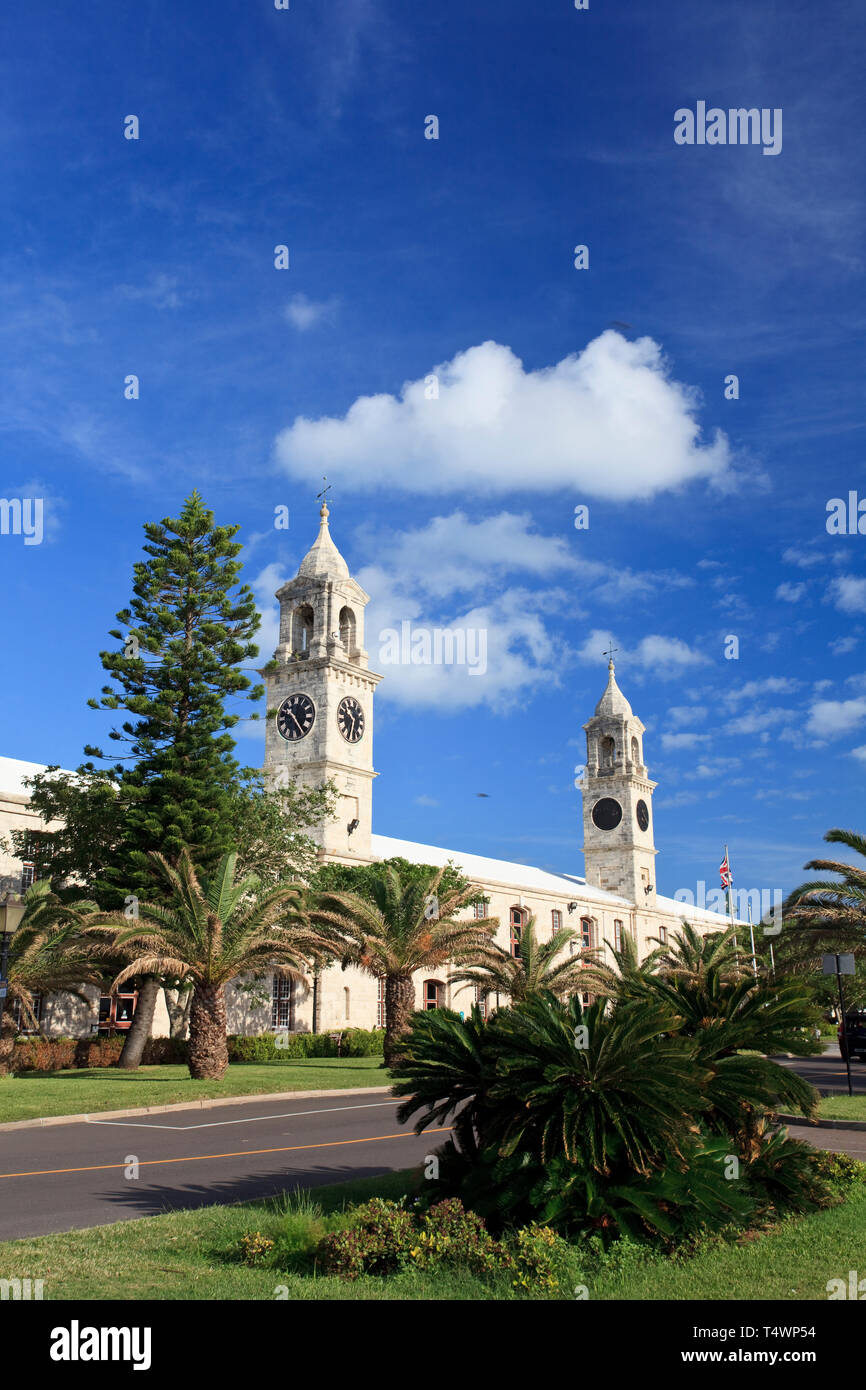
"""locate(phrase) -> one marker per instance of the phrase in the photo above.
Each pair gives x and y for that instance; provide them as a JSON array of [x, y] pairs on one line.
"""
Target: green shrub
[[61, 1054], [451, 1235], [354, 1042], [256, 1248], [839, 1170], [377, 1242]]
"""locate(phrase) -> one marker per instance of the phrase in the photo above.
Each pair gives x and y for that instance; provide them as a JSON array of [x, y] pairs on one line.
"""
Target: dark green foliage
[[354, 1042], [366, 879], [189, 629], [377, 1242]]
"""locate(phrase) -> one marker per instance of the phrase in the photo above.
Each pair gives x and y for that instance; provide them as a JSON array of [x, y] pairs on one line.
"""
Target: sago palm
[[207, 931], [400, 928]]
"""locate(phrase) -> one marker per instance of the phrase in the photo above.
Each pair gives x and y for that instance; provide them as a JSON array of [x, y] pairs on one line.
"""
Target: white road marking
[[254, 1119]]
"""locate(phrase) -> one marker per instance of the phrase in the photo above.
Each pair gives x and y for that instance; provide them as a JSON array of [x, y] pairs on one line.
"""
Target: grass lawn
[[192, 1255], [41, 1094], [845, 1107]]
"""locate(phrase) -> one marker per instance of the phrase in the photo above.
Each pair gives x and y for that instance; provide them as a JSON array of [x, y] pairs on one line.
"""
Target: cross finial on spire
[[609, 653], [323, 510]]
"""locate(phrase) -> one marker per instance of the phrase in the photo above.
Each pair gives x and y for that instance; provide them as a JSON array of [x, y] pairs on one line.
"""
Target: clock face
[[350, 719], [295, 717], [642, 815], [607, 813]]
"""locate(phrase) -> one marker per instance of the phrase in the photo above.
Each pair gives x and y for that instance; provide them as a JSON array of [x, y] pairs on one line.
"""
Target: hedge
[[61, 1054], [354, 1042]]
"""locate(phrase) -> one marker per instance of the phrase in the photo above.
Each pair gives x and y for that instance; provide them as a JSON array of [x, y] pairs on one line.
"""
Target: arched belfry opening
[[608, 751], [303, 621], [348, 630]]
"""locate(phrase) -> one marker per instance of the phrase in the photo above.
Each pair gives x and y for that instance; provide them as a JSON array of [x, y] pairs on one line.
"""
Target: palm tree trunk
[[208, 1049], [399, 1006], [141, 1026], [178, 1003]]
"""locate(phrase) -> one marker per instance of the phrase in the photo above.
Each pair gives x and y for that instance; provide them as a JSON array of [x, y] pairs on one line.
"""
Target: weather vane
[[326, 488], [611, 649]]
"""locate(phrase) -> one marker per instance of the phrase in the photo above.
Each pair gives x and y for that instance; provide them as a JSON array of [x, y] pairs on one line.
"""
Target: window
[[433, 994], [555, 919], [663, 936], [608, 752], [480, 909], [481, 998], [283, 1002], [518, 921], [617, 936], [348, 1001], [586, 933], [28, 875], [380, 1002], [635, 751]]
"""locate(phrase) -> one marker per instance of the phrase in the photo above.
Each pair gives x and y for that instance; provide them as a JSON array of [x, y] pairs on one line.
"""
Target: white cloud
[[804, 559], [842, 645], [161, 292], [831, 718], [686, 714], [304, 313], [859, 752], [665, 657], [759, 720], [791, 593], [848, 593], [771, 685], [607, 422], [672, 741]]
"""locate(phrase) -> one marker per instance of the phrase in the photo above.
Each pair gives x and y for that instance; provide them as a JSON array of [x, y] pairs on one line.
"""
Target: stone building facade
[[320, 697]]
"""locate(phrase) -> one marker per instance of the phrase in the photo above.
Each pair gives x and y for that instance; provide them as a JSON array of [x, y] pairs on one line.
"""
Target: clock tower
[[617, 801], [320, 697]]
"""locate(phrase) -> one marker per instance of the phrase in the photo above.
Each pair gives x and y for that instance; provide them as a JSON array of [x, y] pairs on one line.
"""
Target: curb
[[816, 1124], [206, 1104]]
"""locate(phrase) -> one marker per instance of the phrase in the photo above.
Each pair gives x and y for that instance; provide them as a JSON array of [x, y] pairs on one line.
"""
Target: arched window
[[608, 751], [518, 922], [434, 993], [302, 630], [347, 629], [635, 751]]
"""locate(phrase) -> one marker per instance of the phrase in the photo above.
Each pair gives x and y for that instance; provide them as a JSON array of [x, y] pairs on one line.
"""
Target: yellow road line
[[241, 1153]]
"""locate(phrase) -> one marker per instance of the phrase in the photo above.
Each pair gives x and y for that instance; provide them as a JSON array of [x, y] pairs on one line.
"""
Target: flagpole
[[730, 879], [752, 935]]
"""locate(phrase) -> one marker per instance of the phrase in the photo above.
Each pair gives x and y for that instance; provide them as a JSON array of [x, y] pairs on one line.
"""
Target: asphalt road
[[62, 1177], [827, 1074]]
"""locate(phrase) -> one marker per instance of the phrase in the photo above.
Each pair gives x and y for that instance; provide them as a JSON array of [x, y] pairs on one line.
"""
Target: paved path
[[63, 1177]]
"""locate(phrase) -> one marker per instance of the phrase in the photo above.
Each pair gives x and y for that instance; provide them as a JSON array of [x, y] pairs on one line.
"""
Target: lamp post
[[839, 965], [11, 912]]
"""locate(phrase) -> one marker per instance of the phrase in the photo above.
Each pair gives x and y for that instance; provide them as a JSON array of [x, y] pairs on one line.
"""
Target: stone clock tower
[[320, 700], [617, 801]]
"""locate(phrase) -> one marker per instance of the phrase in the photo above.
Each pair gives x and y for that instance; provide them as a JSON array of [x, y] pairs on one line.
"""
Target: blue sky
[[557, 387]]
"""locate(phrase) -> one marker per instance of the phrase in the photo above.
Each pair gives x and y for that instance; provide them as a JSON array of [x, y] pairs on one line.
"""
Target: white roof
[[12, 774], [479, 869]]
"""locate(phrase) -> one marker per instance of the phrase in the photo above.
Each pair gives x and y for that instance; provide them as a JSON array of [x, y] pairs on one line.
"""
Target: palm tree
[[830, 913], [207, 931], [49, 955], [403, 926], [532, 971]]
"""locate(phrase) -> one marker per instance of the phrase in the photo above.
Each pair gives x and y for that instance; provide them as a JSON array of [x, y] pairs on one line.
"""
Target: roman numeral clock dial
[[295, 717], [350, 719]]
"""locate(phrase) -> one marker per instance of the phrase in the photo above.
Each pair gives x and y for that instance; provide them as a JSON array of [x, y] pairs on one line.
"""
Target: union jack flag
[[725, 872]]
